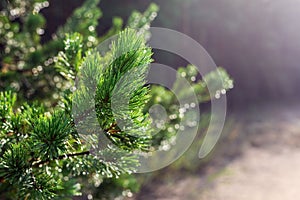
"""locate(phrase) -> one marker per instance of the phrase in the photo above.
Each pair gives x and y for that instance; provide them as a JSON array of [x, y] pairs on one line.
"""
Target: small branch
[[61, 157]]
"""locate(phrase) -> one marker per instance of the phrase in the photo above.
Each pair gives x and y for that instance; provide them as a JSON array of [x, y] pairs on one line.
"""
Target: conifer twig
[[61, 157]]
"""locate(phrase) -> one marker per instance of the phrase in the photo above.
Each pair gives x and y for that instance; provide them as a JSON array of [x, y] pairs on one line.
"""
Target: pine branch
[[32, 137], [70, 155]]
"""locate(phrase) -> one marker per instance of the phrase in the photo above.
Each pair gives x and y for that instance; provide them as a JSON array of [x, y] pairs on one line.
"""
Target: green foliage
[[84, 21], [53, 151], [219, 82], [23, 67], [26, 64], [14, 164], [50, 134], [142, 21], [7, 101], [69, 60], [124, 79], [48, 150]]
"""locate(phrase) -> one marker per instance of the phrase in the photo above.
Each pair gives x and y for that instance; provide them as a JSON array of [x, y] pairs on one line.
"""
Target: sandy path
[[259, 175], [268, 166]]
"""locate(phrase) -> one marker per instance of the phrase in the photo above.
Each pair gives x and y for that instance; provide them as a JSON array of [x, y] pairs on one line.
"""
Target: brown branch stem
[[61, 157]]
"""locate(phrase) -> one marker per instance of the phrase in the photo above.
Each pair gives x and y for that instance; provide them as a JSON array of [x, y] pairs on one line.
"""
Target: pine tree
[[43, 154]]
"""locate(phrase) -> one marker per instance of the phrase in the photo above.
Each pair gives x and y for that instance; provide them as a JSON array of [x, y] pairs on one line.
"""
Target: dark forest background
[[257, 41]]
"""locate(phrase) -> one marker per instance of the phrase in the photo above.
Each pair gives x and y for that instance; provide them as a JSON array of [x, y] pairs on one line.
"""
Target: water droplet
[[39, 68], [91, 28], [182, 110], [170, 129], [40, 31], [174, 116], [45, 4], [90, 196], [129, 194]]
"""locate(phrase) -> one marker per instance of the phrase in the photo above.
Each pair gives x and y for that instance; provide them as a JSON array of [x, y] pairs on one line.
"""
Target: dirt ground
[[259, 159]]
